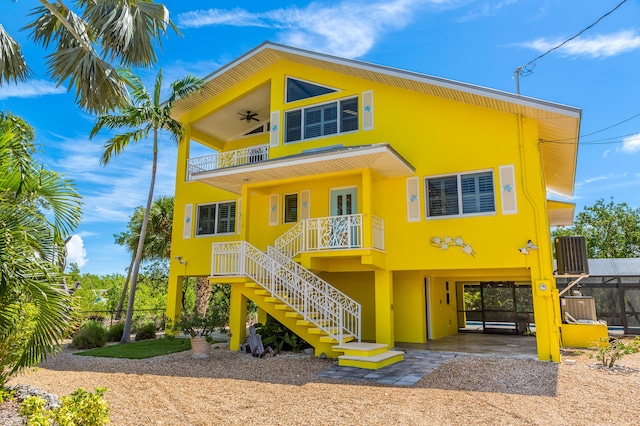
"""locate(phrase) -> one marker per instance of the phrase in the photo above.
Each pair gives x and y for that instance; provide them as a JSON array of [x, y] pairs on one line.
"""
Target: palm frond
[[157, 89], [176, 129], [129, 28], [118, 143], [13, 66], [138, 92], [129, 118], [183, 88]]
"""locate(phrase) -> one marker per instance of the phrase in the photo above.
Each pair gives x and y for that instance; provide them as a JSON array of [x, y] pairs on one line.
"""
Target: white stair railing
[[316, 300]]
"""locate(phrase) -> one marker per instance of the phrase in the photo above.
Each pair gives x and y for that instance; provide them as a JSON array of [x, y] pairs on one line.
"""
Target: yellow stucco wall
[[438, 137]]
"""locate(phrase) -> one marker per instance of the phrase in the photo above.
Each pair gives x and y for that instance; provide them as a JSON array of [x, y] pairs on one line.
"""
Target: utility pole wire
[[523, 69]]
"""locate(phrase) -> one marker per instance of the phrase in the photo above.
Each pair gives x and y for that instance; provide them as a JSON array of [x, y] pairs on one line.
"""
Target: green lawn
[[140, 350]]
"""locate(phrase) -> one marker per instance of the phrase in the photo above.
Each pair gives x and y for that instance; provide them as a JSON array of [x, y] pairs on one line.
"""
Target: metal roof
[[614, 267], [556, 122]]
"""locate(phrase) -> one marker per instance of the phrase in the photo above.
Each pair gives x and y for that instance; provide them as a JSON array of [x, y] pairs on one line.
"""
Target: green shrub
[[79, 408], [280, 337], [114, 334], [90, 335], [5, 395], [146, 332], [611, 349]]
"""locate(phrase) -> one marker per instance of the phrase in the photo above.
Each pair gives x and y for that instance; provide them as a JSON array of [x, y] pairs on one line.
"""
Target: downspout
[[536, 220]]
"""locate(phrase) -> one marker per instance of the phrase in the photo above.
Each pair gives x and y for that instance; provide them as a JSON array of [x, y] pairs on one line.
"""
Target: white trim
[[188, 221], [459, 190], [215, 234], [427, 284], [238, 215], [413, 190], [284, 207], [286, 77], [274, 213], [320, 156], [274, 132], [305, 195], [367, 116], [509, 197], [336, 101]]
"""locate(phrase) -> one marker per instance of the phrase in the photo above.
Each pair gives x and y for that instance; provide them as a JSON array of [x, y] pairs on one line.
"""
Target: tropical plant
[[145, 115], [78, 408], [92, 334], [610, 350], [38, 210], [611, 230], [146, 332], [278, 335], [157, 242], [85, 41], [195, 325]]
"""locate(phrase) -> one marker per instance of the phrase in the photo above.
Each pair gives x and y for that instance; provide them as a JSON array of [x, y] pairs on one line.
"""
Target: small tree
[[611, 350], [611, 230]]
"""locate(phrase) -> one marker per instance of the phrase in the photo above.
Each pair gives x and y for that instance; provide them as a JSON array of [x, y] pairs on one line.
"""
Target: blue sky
[[475, 41]]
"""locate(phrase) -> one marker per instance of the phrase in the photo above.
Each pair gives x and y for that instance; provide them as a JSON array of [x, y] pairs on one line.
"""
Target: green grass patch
[[142, 349]]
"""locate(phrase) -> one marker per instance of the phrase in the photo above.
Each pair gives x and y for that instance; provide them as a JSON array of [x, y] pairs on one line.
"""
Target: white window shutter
[[508, 190], [274, 137], [188, 218], [305, 204], [274, 207], [413, 199], [238, 215], [367, 110]]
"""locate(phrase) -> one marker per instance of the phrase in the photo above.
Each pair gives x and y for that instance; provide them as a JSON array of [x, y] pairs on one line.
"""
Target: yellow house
[[361, 203]]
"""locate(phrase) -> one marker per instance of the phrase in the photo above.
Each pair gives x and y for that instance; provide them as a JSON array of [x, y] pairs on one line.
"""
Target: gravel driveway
[[235, 388]]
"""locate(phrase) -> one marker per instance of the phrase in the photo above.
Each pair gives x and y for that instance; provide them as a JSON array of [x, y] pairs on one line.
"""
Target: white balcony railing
[[220, 160], [334, 232]]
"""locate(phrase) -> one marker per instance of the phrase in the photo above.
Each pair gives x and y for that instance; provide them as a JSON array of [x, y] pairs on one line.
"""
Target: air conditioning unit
[[581, 308], [571, 254]]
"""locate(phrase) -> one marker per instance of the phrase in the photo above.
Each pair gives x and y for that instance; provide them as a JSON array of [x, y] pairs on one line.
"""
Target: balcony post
[[367, 223]]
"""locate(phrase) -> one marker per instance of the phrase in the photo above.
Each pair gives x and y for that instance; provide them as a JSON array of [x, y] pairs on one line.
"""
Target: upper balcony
[[229, 170]]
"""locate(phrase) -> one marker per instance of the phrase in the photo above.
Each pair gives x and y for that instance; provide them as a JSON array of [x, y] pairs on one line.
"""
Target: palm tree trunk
[[203, 293], [124, 291], [143, 232]]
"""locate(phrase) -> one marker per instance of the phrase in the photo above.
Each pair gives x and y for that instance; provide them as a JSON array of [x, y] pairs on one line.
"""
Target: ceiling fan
[[248, 116]]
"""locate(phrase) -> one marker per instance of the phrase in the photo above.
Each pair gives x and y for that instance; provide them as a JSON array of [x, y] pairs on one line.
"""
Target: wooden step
[[293, 314], [373, 362], [317, 330], [283, 307], [262, 292]]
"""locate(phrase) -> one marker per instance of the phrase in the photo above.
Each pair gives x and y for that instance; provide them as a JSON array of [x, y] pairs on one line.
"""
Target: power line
[[524, 70], [599, 131]]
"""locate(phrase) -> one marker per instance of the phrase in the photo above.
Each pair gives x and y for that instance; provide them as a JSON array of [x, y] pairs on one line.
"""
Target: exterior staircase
[[309, 306]]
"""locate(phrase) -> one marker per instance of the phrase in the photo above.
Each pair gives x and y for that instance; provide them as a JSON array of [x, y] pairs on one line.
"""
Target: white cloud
[[349, 29], [600, 46], [486, 8], [76, 252], [30, 89], [601, 178], [631, 143]]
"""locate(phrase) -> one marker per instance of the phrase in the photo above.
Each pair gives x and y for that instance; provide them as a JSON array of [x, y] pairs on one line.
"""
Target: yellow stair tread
[[360, 346], [373, 358]]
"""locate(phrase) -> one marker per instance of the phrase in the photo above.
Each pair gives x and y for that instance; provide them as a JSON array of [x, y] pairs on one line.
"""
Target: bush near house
[[146, 332], [91, 335]]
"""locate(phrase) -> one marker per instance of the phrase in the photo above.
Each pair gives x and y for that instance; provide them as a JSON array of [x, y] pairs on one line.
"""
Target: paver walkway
[[415, 366]]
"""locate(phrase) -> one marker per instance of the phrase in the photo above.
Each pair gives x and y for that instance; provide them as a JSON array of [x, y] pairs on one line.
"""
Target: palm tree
[[36, 313], [85, 43], [157, 242], [145, 114]]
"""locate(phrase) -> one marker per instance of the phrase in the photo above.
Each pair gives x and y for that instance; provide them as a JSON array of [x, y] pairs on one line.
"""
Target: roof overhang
[[381, 159], [560, 213], [559, 125]]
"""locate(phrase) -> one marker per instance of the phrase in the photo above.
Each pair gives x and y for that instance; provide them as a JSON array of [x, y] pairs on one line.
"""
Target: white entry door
[[344, 227]]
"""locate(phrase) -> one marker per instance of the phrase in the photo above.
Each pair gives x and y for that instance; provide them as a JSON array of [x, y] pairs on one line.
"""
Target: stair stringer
[[277, 309]]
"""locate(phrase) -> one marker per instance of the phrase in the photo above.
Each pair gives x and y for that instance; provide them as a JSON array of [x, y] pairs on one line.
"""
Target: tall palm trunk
[[124, 290], [203, 294], [143, 232]]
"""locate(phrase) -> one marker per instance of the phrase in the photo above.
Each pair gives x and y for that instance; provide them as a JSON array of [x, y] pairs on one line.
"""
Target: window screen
[[290, 208]]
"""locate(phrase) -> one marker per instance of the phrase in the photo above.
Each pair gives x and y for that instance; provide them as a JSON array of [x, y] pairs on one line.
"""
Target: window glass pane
[[206, 219], [442, 196], [349, 115], [312, 122], [290, 208], [293, 126], [297, 90], [477, 193], [226, 218]]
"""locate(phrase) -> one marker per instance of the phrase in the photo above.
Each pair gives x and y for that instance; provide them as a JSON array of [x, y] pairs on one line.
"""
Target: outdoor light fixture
[[179, 259]]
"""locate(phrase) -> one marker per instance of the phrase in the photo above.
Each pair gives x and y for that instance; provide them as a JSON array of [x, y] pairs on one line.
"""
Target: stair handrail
[[316, 300], [349, 311], [293, 242]]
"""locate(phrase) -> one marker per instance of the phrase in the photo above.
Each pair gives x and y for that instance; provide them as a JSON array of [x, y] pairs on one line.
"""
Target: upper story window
[[298, 90], [461, 194], [321, 120], [218, 218]]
